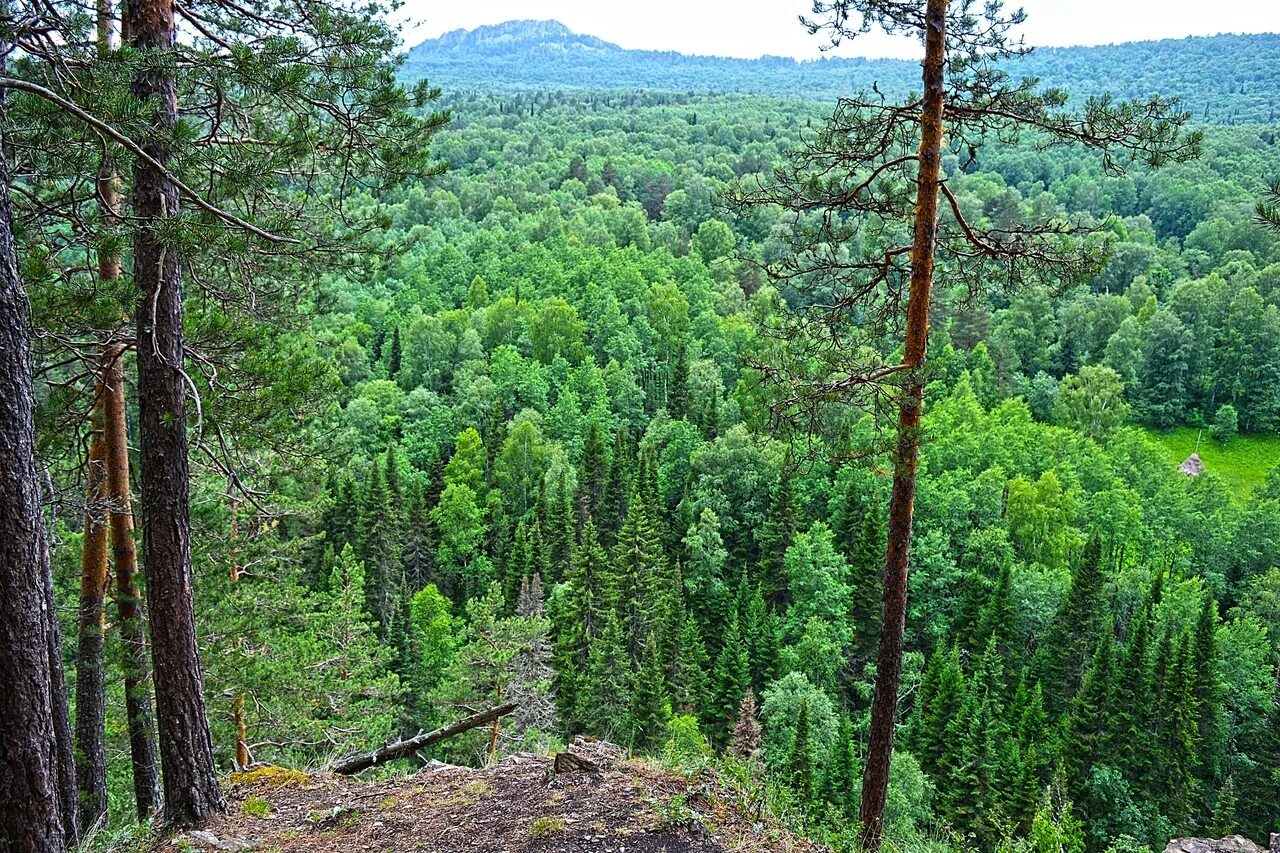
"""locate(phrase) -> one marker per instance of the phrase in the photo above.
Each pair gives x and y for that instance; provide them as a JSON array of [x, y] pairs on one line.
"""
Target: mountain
[[1224, 79]]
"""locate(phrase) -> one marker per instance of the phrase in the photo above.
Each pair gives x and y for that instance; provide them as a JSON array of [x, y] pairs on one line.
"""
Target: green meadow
[[1242, 463]]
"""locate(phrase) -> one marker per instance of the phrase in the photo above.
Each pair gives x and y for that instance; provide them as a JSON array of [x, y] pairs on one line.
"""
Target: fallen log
[[364, 760]]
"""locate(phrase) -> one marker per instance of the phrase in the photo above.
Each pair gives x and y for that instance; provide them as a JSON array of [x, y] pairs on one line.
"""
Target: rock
[[1230, 844], [587, 754], [572, 762]]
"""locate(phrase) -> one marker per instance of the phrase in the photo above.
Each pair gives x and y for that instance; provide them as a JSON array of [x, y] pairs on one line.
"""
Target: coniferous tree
[[866, 565], [776, 536], [604, 696], [690, 692], [617, 488], [376, 550], [964, 88], [1065, 652], [746, 731], [394, 355], [730, 679], [800, 766], [593, 474], [1087, 737], [650, 708]]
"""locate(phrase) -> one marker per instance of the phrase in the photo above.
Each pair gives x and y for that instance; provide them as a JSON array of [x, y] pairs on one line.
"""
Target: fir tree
[[377, 551], [1087, 738], [617, 488]]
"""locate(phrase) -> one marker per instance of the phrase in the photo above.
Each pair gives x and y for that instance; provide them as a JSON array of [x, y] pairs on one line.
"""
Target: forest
[[583, 406]]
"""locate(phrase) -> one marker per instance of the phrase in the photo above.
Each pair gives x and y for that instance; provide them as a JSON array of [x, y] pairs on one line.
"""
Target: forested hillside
[[1225, 79], [499, 419]]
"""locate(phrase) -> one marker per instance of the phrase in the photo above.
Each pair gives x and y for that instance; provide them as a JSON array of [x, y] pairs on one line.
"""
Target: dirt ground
[[518, 804]]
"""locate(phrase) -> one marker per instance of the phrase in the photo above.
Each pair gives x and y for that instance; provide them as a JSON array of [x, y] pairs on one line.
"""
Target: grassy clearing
[[1241, 463]]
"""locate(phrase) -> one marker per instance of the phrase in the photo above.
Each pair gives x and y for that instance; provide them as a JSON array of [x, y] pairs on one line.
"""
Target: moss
[[545, 825], [256, 807], [274, 777]]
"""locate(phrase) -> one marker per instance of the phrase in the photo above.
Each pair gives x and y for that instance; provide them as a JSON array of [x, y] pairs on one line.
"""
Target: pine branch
[[102, 127]]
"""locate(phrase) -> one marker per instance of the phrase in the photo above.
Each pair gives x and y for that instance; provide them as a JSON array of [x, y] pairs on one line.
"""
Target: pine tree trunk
[[191, 794], [133, 635], [91, 755], [29, 812], [884, 705]]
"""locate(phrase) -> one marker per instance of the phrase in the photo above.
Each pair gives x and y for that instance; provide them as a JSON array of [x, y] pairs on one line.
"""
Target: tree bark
[[91, 753], [884, 705], [29, 812], [191, 794], [129, 615], [364, 760]]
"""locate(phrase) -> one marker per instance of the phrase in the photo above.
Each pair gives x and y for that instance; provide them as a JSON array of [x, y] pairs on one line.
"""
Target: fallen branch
[[364, 760]]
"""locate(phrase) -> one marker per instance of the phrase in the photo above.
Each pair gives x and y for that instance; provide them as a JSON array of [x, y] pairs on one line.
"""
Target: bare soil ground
[[518, 804]]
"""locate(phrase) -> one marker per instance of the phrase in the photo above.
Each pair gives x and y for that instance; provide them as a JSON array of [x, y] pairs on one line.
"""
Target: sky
[[752, 28]]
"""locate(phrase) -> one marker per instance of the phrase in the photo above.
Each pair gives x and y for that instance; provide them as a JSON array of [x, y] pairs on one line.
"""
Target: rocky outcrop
[[1230, 844]]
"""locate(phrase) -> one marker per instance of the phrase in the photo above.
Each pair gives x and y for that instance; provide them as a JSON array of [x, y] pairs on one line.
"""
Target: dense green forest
[[1226, 79], [510, 437]]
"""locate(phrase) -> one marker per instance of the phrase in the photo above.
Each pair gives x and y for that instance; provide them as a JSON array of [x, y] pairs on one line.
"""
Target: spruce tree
[[617, 488], [650, 707], [776, 536], [731, 679], [800, 765], [690, 676], [1064, 654], [746, 731], [593, 472], [866, 566], [1088, 732], [604, 696]]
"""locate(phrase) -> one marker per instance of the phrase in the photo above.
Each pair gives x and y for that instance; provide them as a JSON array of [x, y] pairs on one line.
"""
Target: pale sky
[[751, 28]]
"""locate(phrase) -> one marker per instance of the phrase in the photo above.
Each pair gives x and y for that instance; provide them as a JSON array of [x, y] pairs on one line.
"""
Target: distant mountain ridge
[[1228, 79]]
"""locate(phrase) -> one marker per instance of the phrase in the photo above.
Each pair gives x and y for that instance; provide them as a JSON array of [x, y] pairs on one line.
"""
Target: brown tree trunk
[[91, 754], [29, 813], [191, 794], [884, 705], [133, 635]]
